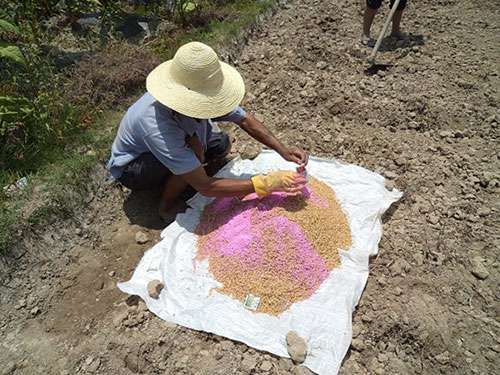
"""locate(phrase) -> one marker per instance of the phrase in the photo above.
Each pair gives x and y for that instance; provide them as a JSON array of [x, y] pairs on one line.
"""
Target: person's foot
[[169, 213], [399, 35], [366, 40]]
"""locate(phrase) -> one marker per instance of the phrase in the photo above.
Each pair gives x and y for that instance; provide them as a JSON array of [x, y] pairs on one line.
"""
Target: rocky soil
[[429, 122]]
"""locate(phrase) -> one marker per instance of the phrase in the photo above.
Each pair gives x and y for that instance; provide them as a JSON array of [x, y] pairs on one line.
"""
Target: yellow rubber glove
[[278, 181]]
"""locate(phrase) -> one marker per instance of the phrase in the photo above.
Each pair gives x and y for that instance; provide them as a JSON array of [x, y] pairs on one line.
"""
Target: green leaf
[[12, 109], [189, 6], [5, 16], [8, 27], [11, 52]]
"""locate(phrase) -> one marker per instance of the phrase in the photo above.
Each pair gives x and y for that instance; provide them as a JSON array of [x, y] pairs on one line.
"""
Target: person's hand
[[296, 155], [288, 181]]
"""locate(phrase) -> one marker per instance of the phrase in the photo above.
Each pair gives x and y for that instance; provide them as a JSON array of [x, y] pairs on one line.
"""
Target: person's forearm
[[227, 187], [261, 133]]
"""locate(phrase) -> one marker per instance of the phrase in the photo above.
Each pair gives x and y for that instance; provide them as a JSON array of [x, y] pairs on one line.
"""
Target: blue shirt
[[149, 126]]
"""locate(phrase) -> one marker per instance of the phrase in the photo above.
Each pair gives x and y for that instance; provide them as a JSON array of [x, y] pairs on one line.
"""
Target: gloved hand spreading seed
[[288, 181]]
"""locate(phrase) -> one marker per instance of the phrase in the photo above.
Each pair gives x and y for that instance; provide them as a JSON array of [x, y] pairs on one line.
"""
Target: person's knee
[[228, 148], [219, 146], [373, 4], [144, 173]]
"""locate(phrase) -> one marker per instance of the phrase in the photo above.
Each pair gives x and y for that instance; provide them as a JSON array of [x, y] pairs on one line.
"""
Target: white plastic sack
[[324, 320]]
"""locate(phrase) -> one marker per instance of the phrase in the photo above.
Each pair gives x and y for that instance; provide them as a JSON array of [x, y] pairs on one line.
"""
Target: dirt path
[[429, 123]]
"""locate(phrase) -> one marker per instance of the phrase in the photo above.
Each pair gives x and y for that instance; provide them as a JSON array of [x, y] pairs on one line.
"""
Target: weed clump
[[110, 80]]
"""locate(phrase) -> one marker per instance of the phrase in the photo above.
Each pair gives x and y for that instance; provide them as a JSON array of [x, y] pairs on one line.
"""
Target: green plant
[[33, 115], [9, 50]]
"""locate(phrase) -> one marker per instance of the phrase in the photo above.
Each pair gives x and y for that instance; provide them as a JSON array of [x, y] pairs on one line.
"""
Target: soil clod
[[154, 288], [296, 346]]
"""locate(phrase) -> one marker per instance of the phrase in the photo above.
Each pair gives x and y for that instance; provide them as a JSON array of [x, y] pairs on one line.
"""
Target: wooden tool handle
[[384, 29]]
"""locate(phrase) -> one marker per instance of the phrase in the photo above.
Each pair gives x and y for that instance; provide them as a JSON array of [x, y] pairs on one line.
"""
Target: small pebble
[[141, 237]]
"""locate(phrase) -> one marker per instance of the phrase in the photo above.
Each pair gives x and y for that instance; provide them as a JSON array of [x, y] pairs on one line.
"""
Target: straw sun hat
[[196, 84]]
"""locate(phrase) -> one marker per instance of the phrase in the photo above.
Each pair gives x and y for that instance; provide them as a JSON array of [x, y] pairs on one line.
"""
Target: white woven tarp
[[324, 320]]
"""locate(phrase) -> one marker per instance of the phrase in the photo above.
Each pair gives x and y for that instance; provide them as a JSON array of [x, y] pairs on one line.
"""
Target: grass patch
[[242, 14], [59, 188]]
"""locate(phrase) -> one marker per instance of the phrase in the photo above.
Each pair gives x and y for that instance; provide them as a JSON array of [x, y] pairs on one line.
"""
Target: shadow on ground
[[141, 208], [392, 44]]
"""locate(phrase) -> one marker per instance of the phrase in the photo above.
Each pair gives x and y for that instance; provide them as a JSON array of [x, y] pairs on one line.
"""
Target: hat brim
[[203, 104]]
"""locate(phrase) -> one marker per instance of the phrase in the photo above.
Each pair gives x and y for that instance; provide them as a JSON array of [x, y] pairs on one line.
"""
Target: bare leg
[[396, 23], [228, 150], [174, 186], [368, 20]]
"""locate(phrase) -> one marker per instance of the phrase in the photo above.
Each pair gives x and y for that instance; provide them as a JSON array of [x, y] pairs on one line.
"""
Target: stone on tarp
[[154, 288], [297, 347]]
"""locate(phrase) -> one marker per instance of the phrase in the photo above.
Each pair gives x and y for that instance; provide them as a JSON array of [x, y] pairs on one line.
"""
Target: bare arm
[[194, 143], [217, 187], [261, 133], [288, 181]]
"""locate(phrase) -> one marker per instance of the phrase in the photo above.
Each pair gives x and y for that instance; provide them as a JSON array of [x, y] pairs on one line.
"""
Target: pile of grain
[[280, 248]]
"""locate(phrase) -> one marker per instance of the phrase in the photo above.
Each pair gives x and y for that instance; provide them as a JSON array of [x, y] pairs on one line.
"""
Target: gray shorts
[[147, 171]]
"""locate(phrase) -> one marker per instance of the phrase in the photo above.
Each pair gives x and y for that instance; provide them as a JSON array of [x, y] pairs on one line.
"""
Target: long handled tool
[[371, 58]]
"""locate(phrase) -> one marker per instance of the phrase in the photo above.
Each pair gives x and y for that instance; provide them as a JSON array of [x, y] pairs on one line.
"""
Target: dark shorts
[[147, 171], [375, 4]]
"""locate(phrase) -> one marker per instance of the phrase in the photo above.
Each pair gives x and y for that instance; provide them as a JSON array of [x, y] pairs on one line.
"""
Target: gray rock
[[433, 219], [301, 370], [495, 348], [321, 65], [399, 161], [285, 364], [443, 358], [35, 311], [483, 211], [487, 177], [119, 318], [383, 358], [248, 364], [134, 319], [170, 325], [479, 270], [266, 366], [141, 306], [491, 356], [490, 119], [390, 175], [413, 125], [445, 134], [399, 267], [154, 288], [297, 347], [94, 365], [366, 318], [9, 368], [358, 345], [141, 237]]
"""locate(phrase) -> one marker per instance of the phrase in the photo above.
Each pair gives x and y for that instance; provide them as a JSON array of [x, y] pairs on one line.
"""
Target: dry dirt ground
[[429, 123]]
